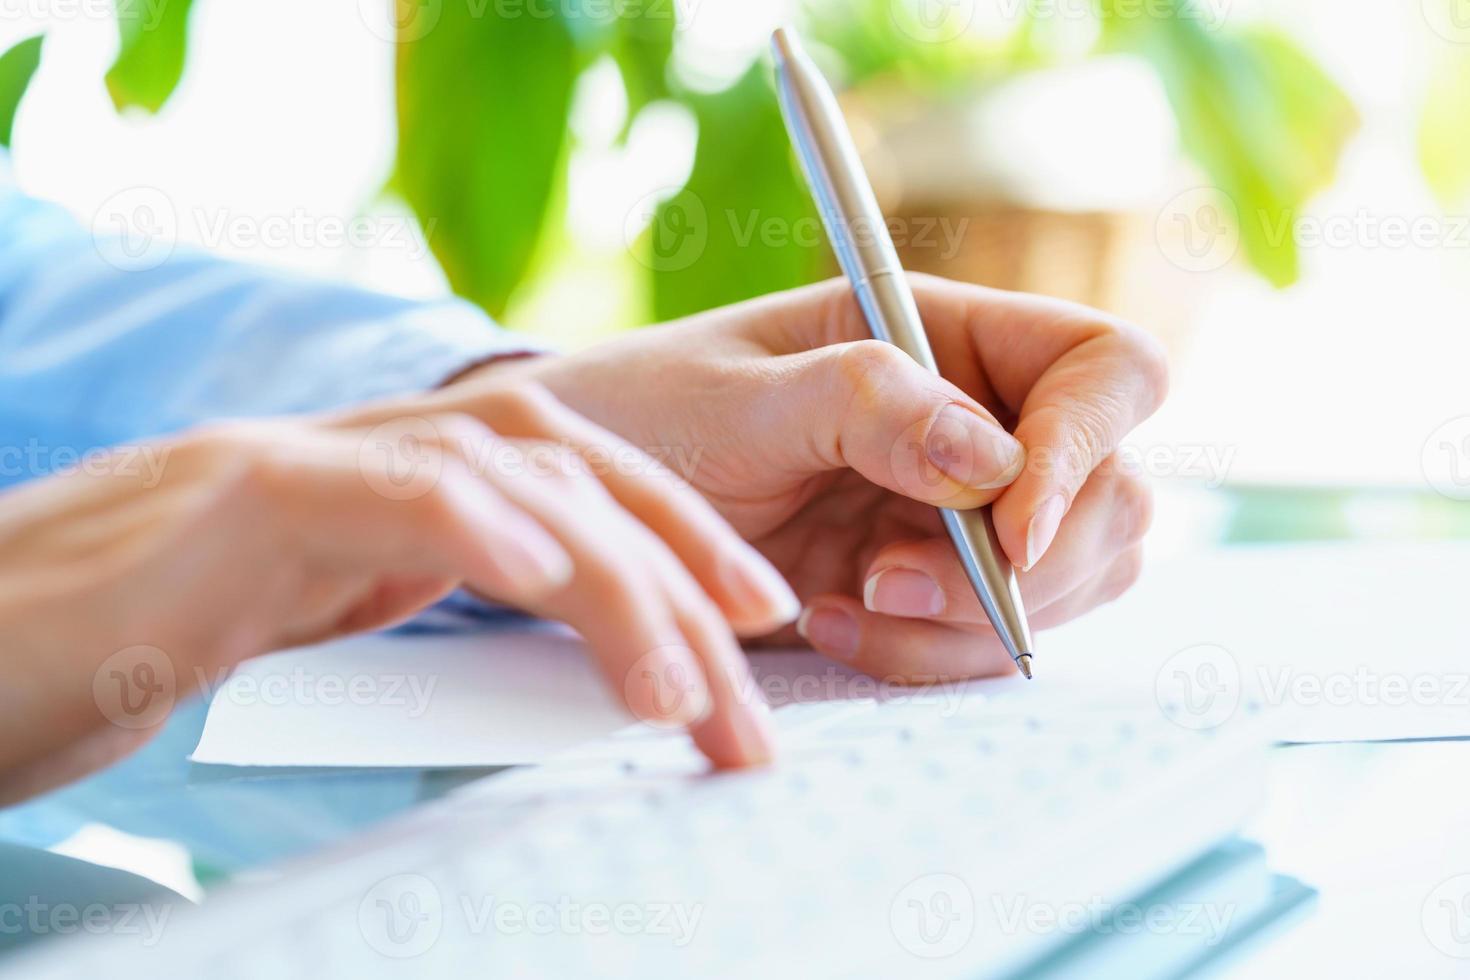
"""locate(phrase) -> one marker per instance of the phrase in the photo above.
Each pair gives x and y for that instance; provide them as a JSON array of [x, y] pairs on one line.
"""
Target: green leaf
[[1444, 137], [1263, 120], [16, 68], [744, 224], [150, 61], [482, 120]]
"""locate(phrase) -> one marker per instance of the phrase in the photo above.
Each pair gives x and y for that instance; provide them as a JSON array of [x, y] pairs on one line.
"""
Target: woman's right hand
[[253, 537]]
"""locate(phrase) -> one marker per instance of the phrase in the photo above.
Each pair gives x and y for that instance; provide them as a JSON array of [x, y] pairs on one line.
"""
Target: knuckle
[[1133, 502], [617, 576], [865, 366], [520, 404], [1148, 359], [438, 508], [246, 456], [459, 432]]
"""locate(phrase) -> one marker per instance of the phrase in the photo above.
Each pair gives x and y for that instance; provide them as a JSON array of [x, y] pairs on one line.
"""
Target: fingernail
[[758, 587], [1043, 528], [903, 592], [831, 631], [972, 450]]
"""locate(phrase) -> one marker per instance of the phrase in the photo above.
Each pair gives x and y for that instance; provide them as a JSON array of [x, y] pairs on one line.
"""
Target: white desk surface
[[1383, 832]]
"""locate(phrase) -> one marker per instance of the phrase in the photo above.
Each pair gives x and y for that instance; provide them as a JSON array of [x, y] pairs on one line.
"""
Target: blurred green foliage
[[16, 68], [482, 129], [1444, 132], [484, 100], [1269, 514], [150, 57]]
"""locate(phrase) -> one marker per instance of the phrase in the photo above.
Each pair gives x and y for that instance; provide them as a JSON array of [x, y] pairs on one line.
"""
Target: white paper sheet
[[1347, 642], [385, 700], [498, 697]]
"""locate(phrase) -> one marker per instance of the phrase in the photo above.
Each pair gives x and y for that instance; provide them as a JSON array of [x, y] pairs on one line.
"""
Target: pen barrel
[[859, 236], [888, 306]]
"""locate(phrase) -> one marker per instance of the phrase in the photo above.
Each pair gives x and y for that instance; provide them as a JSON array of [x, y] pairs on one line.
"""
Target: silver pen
[[859, 235]]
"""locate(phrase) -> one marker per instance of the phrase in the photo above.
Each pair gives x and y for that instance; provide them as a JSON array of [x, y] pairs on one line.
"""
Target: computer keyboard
[[923, 836]]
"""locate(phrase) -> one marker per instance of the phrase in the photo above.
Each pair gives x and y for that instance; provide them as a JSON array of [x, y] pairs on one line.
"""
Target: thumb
[[868, 406]]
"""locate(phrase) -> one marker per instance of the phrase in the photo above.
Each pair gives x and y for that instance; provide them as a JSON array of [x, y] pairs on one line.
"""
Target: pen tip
[[1024, 662]]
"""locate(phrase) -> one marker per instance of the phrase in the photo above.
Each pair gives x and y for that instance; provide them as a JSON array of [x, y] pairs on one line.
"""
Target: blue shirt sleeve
[[100, 347]]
